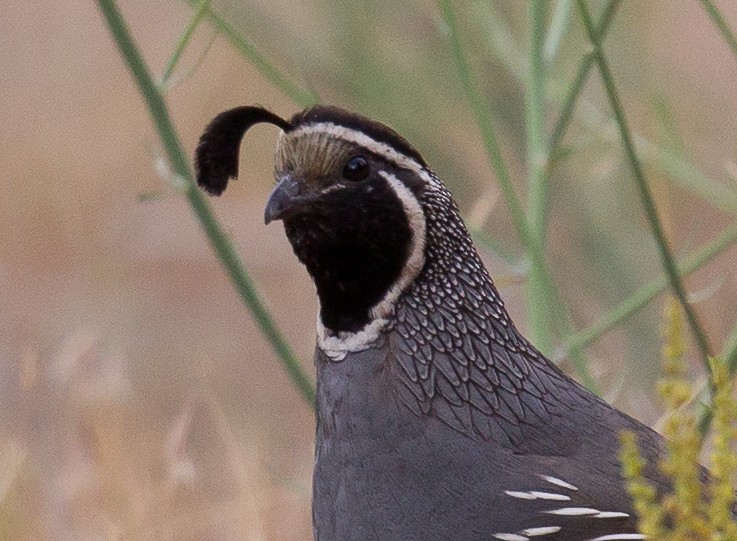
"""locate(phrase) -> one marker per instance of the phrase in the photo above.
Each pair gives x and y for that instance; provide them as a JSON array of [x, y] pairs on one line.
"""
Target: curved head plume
[[216, 157]]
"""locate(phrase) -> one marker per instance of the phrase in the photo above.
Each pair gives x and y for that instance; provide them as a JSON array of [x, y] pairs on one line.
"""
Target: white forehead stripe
[[337, 346], [369, 143]]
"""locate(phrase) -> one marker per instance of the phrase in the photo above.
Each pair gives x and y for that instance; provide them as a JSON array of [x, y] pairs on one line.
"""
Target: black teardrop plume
[[216, 157]]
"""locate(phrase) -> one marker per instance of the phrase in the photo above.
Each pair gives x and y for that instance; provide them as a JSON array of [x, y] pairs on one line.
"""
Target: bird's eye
[[356, 169]]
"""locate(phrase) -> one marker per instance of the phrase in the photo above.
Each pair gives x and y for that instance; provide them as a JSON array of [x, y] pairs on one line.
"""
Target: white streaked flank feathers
[[544, 530], [550, 496], [510, 537], [557, 482], [537, 495], [520, 494], [581, 513], [573, 511], [611, 514]]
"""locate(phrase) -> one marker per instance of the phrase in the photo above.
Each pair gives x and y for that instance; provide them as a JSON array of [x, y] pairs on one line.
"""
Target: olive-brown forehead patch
[[318, 158]]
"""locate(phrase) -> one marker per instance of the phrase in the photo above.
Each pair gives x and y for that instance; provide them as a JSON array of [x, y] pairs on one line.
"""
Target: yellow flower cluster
[[696, 508]]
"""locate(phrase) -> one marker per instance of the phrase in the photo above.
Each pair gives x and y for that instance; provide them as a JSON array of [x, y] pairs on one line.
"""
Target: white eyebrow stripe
[[558, 482], [367, 142]]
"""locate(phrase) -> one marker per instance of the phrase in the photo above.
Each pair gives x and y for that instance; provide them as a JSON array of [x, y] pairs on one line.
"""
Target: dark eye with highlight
[[356, 169]]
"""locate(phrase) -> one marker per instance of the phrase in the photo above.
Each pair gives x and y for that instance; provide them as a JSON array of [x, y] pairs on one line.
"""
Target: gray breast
[[384, 471]]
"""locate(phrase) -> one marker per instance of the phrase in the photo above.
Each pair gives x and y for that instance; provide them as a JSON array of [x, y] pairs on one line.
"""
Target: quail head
[[436, 419]]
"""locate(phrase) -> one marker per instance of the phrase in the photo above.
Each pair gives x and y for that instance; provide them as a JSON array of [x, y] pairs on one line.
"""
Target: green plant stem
[[538, 304], [502, 43], [493, 248], [721, 24], [184, 39], [666, 160], [705, 395], [672, 163], [222, 246], [483, 116], [648, 292], [559, 23], [301, 96], [677, 167], [730, 351], [645, 194], [584, 68], [729, 356]]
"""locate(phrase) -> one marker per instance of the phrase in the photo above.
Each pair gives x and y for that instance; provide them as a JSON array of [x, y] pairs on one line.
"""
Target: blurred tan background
[[137, 398]]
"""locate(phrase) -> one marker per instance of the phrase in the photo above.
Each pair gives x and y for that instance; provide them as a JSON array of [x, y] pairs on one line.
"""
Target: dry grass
[[96, 467]]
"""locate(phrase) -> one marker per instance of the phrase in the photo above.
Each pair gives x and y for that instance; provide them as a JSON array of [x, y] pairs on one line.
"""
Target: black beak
[[284, 201]]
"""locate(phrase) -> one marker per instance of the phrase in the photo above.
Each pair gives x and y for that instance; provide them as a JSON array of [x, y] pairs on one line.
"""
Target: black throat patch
[[355, 245]]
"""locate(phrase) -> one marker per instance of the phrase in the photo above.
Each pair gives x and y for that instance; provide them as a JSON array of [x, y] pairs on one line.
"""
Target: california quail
[[436, 419]]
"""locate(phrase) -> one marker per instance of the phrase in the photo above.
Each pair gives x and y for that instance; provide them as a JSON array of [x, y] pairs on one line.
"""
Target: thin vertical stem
[[483, 116], [537, 302], [184, 39], [304, 97], [559, 23], [645, 194], [649, 291], [705, 396], [219, 240], [721, 24], [582, 75]]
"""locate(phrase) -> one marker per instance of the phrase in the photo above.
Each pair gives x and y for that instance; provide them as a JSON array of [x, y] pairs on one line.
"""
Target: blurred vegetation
[[693, 509], [140, 404]]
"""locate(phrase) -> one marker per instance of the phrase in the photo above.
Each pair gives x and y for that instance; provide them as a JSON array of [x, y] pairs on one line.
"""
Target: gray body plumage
[[424, 435], [381, 474]]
